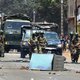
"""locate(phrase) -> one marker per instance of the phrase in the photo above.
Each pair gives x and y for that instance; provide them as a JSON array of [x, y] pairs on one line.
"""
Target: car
[[53, 43], [26, 36]]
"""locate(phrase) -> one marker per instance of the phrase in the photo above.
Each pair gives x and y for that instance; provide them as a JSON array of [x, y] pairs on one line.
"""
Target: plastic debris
[[32, 78]]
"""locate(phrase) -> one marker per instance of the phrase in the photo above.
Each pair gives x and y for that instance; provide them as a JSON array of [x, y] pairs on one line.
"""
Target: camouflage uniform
[[73, 53], [42, 43], [32, 45], [1, 44]]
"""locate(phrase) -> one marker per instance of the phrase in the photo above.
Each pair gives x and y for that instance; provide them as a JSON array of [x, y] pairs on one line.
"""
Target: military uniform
[[73, 53], [1, 44], [77, 52], [42, 43], [32, 45], [33, 42]]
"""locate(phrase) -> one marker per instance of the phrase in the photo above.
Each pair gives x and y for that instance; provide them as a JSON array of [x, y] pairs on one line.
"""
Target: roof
[[1, 31], [19, 16], [17, 20], [50, 32], [38, 31]]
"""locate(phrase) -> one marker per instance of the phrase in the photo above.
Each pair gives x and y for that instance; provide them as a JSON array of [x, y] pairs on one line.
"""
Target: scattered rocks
[[24, 68], [66, 69], [0, 67], [77, 71], [32, 79], [52, 73], [49, 72]]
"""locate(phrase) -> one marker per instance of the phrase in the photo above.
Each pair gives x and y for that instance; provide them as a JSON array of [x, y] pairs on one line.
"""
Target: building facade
[[73, 5]]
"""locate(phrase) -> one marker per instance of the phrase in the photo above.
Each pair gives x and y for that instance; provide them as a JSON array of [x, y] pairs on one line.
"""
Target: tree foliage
[[49, 10]]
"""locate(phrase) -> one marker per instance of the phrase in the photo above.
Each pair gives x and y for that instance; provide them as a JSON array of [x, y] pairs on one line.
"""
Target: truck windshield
[[9, 25], [10, 37], [26, 35], [51, 36]]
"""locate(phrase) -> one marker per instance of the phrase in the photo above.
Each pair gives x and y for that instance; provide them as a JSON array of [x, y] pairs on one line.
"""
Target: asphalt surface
[[13, 57], [37, 75], [12, 67], [68, 64]]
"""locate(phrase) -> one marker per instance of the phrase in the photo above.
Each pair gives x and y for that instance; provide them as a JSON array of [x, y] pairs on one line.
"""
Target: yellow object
[[78, 28]]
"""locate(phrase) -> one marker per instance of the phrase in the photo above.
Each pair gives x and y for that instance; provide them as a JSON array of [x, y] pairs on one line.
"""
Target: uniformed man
[[1, 44], [71, 36], [76, 57], [32, 45], [73, 52], [42, 42]]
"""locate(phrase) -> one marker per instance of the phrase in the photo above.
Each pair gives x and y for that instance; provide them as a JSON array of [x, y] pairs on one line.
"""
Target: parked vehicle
[[53, 43], [26, 35], [12, 32]]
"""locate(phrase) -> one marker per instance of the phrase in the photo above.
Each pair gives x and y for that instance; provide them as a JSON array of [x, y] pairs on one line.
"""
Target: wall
[[71, 15]]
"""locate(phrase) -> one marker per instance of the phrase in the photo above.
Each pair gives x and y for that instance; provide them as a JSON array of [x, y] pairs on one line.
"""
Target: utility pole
[[76, 11], [0, 19], [62, 17], [34, 15]]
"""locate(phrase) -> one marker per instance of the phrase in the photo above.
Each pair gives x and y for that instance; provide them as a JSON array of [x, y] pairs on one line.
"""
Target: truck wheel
[[22, 54], [2, 55], [6, 50]]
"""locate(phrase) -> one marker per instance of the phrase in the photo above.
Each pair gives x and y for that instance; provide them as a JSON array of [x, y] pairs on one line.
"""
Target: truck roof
[[50, 32], [17, 20]]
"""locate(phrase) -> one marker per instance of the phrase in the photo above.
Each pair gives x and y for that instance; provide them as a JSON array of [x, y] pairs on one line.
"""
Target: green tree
[[65, 17], [49, 10], [46, 10]]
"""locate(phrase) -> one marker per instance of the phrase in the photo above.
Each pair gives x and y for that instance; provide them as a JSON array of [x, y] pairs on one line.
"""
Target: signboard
[[58, 63], [41, 61]]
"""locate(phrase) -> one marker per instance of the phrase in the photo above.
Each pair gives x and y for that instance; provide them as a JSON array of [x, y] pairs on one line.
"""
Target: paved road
[[12, 67], [37, 75], [67, 55], [14, 57], [68, 64]]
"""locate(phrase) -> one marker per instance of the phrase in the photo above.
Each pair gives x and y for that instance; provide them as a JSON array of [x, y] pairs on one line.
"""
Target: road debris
[[24, 68], [77, 71], [0, 67], [32, 78]]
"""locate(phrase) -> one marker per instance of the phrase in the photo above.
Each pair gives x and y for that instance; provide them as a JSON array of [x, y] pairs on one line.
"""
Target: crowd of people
[[37, 42], [72, 43]]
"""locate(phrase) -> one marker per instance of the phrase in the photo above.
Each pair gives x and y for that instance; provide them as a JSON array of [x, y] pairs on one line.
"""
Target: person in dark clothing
[[32, 45], [1, 44], [76, 56], [71, 36], [73, 52], [42, 42]]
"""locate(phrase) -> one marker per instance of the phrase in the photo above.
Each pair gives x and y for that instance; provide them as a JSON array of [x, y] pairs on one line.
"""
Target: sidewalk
[[68, 65], [67, 55]]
